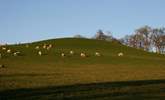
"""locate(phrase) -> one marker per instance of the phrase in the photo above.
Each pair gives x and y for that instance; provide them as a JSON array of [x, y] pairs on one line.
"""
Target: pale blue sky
[[32, 20]]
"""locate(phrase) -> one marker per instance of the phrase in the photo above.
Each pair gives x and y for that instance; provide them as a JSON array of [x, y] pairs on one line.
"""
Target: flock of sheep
[[46, 47], [49, 46], [9, 51]]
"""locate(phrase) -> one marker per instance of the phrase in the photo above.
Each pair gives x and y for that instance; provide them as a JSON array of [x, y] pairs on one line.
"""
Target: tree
[[126, 40], [147, 38], [100, 35], [134, 42], [157, 38], [109, 37], [162, 43], [143, 36]]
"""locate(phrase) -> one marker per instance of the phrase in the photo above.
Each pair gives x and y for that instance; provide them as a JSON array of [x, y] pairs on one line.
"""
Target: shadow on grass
[[29, 75], [128, 90]]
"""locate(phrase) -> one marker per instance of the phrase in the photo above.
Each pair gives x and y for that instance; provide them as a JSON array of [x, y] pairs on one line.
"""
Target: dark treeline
[[145, 38]]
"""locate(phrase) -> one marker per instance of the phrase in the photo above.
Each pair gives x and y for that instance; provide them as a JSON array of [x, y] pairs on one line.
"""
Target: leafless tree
[[157, 38], [143, 35]]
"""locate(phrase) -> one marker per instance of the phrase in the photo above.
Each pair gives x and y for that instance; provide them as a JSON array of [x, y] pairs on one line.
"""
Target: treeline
[[146, 38]]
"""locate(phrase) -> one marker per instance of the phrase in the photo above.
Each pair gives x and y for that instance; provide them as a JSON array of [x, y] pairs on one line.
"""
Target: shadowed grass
[[142, 89]]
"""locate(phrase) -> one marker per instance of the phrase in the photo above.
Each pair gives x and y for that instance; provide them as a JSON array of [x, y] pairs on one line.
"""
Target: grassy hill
[[30, 73]]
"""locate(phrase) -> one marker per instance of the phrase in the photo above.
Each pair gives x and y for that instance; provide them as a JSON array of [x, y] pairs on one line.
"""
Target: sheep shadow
[[127, 90]]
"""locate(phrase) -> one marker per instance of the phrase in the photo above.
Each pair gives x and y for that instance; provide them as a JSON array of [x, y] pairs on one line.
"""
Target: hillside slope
[[29, 70], [108, 50]]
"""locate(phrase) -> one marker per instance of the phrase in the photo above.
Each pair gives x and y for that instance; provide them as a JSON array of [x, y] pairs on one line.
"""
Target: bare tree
[[147, 38], [144, 34], [100, 35], [134, 41], [157, 38], [162, 49]]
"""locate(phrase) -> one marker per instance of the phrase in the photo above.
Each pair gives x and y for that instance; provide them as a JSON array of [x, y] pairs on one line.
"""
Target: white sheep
[[44, 46], [8, 51], [16, 53], [82, 55], [37, 47], [39, 53], [3, 48], [62, 55], [120, 54], [97, 54], [50, 46], [71, 52]]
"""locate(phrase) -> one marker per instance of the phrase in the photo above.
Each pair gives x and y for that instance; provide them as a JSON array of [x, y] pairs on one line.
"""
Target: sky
[[34, 20]]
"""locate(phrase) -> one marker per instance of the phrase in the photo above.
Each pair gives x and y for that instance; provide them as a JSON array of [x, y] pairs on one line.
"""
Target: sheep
[[83, 55], [2, 66], [3, 48], [50, 46], [97, 54], [62, 55], [120, 54], [71, 52], [8, 51], [39, 53], [37, 47], [16, 53], [44, 46]]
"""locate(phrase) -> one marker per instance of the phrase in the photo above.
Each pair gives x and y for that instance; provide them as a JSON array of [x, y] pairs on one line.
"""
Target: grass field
[[138, 74]]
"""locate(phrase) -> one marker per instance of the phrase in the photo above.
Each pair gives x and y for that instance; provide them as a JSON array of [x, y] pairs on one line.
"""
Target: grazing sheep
[[39, 53], [37, 47], [8, 51], [97, 54], [50, 46], [3, 48], [62, 55], [71, 52], [44, 46], [83, 55], [2, 66], [16, 53], [120, 54]]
